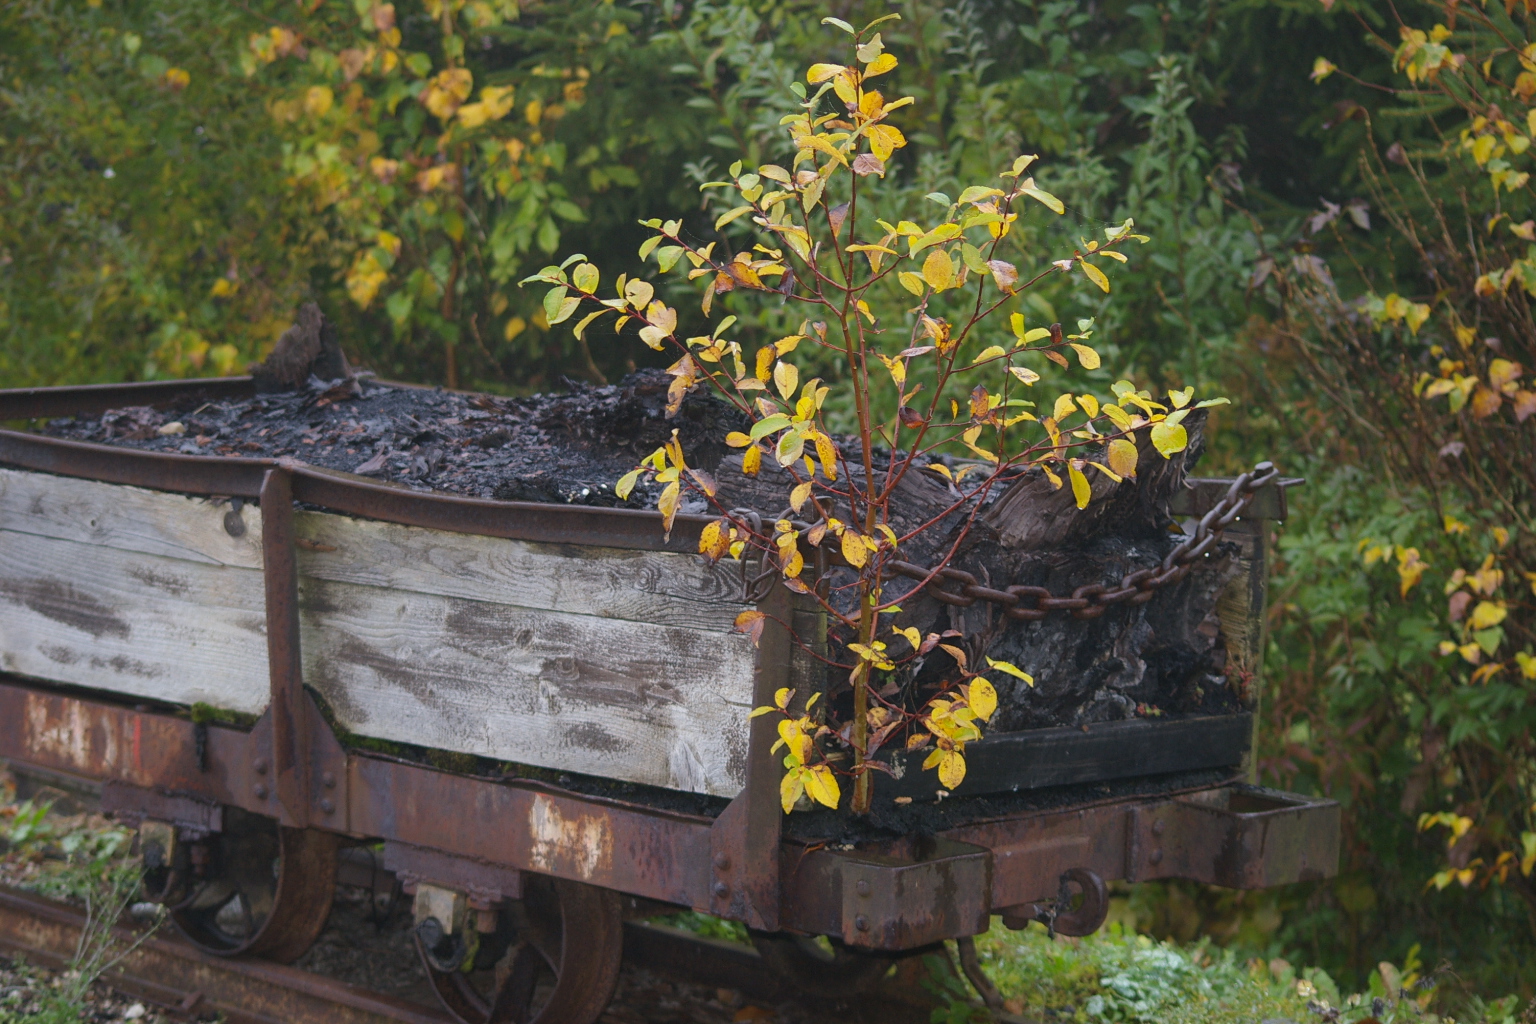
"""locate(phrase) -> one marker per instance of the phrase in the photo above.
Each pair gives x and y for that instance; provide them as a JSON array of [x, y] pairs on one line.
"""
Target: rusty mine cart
[[168, 621]]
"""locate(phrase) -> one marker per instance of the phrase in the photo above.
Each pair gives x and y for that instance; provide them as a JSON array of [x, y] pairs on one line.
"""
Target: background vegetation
[[1334, 245]]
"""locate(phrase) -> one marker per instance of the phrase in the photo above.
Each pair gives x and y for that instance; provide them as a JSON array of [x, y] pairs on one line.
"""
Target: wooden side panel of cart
[[602, 661]]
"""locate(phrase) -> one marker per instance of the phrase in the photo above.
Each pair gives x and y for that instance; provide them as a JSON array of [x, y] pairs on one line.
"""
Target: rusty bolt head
[[260, 791], [861, 923], [863, 887], [233, 524], [1156, 856], [327, 806], [1158, 826], [722, 862], [328, 780], [722, 890], [260, 765]]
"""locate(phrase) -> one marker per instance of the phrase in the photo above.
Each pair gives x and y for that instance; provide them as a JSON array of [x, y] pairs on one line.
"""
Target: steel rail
[[181, 978]]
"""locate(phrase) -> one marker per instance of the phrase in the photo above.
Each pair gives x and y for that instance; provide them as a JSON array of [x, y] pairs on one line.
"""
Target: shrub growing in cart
[[916, 326]]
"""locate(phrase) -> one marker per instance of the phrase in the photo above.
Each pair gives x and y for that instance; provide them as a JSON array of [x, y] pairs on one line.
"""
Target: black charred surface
[[566, 449]]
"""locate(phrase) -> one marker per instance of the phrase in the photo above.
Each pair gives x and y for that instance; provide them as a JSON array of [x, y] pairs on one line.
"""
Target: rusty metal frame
[[290, 765]]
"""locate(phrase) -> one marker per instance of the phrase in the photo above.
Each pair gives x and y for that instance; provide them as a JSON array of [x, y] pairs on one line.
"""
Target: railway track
[[174, 975]]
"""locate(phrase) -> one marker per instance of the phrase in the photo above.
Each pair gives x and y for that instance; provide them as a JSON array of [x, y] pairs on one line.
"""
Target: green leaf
[[763, 427], [839, 23], [972, 258], [938, 197], [586, 278], [978, 193], [564, 313], [552, 300], [567, 210], [582, 326], [1051, 202], [667, 257], [730, 215], [1169, 438], [649, 245]]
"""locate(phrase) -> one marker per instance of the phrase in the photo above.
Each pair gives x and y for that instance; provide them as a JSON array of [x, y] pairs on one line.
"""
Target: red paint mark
[[138, 732]]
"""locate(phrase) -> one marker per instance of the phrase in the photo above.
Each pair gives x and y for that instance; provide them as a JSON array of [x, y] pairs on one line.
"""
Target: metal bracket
[[194, 818]]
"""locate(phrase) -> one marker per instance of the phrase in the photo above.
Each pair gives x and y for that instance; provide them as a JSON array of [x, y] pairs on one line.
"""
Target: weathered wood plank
[[127, 519], [658, 705], [640, 586], [170, 629]]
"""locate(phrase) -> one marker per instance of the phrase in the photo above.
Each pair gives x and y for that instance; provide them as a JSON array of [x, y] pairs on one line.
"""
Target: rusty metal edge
[[168, 972]]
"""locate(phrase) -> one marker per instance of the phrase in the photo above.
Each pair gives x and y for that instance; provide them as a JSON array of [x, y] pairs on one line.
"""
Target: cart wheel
[[553, 958], [258, 888], [822, 967]]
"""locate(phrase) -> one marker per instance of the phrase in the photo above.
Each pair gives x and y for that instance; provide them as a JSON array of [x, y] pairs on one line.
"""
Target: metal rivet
[[722, 862], [722, 890], [233, 524], [863, 887], [261, 791], [1156, 856], [260, 766], [1157, 827], [861, 923], [328, 780], [327, 806]]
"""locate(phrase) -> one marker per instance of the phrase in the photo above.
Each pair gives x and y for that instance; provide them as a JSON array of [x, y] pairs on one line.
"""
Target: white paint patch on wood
[[168, 629], [559, 845], [127, 519]]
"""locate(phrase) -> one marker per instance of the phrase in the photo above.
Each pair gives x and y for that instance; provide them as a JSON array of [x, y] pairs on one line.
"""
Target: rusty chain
[[1030, 604]]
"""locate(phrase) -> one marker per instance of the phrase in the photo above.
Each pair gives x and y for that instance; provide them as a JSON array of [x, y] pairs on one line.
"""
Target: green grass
[[1122, 977]]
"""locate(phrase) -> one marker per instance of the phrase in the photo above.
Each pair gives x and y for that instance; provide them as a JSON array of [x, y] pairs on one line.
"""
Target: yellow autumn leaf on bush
[[1082, 491], [318, 100], [365, 279], [446, 91], [1169, 438], [1122, 457], [1487, 614], [938, 271]]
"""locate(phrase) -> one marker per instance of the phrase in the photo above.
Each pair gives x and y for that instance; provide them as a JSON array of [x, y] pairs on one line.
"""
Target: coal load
[[1166, 656]]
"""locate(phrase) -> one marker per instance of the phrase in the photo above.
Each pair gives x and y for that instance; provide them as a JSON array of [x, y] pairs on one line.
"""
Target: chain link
[[953, 586]]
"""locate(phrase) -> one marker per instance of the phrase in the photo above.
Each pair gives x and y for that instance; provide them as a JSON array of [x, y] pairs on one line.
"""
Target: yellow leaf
[[854, 550], [938, 271], [818, 73], [951, 769], [626, 484], [827, 453], [983, 698], [1169, 438], [1122, 457], [880, 65], [786, 377], [667, 504], [911, 282], [1085, 355], [751, 461], [790, 789], [1011, 669], [1081, 489], [1487, 614], [884, 139], [710, 538], [1064, 406], [800, 495], [1095, 275], [821, 785]]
